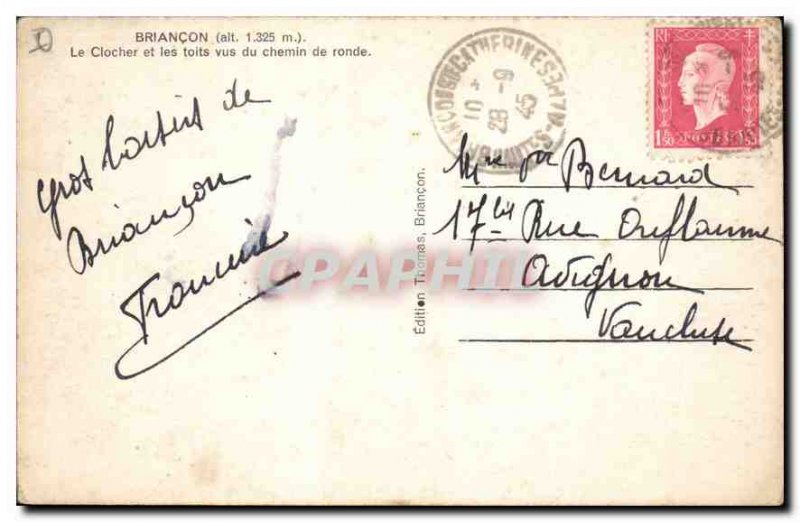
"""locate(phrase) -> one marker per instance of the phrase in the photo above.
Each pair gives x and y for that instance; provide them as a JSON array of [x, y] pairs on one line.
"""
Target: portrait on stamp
[[705, 81], [706, 87]]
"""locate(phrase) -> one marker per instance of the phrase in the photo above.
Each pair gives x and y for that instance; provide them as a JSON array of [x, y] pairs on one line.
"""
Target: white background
[[11, 9]]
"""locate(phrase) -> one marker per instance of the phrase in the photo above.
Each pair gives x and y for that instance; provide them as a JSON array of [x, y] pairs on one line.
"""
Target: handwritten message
[[120, 149]]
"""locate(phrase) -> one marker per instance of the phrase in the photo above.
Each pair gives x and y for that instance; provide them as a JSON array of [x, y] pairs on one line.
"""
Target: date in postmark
[[706, 88], [506, 89]]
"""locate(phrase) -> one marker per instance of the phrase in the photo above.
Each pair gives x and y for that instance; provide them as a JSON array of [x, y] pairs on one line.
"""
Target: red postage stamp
[[705, 87]]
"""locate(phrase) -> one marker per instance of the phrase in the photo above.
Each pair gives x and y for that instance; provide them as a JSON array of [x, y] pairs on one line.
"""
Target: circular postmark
[[505, 89]]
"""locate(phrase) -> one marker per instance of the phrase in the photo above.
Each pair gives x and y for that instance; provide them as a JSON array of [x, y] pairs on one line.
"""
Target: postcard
[[400, 261]]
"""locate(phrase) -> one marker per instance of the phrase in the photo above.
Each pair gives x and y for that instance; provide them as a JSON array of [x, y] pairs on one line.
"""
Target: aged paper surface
[[400, 261]]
